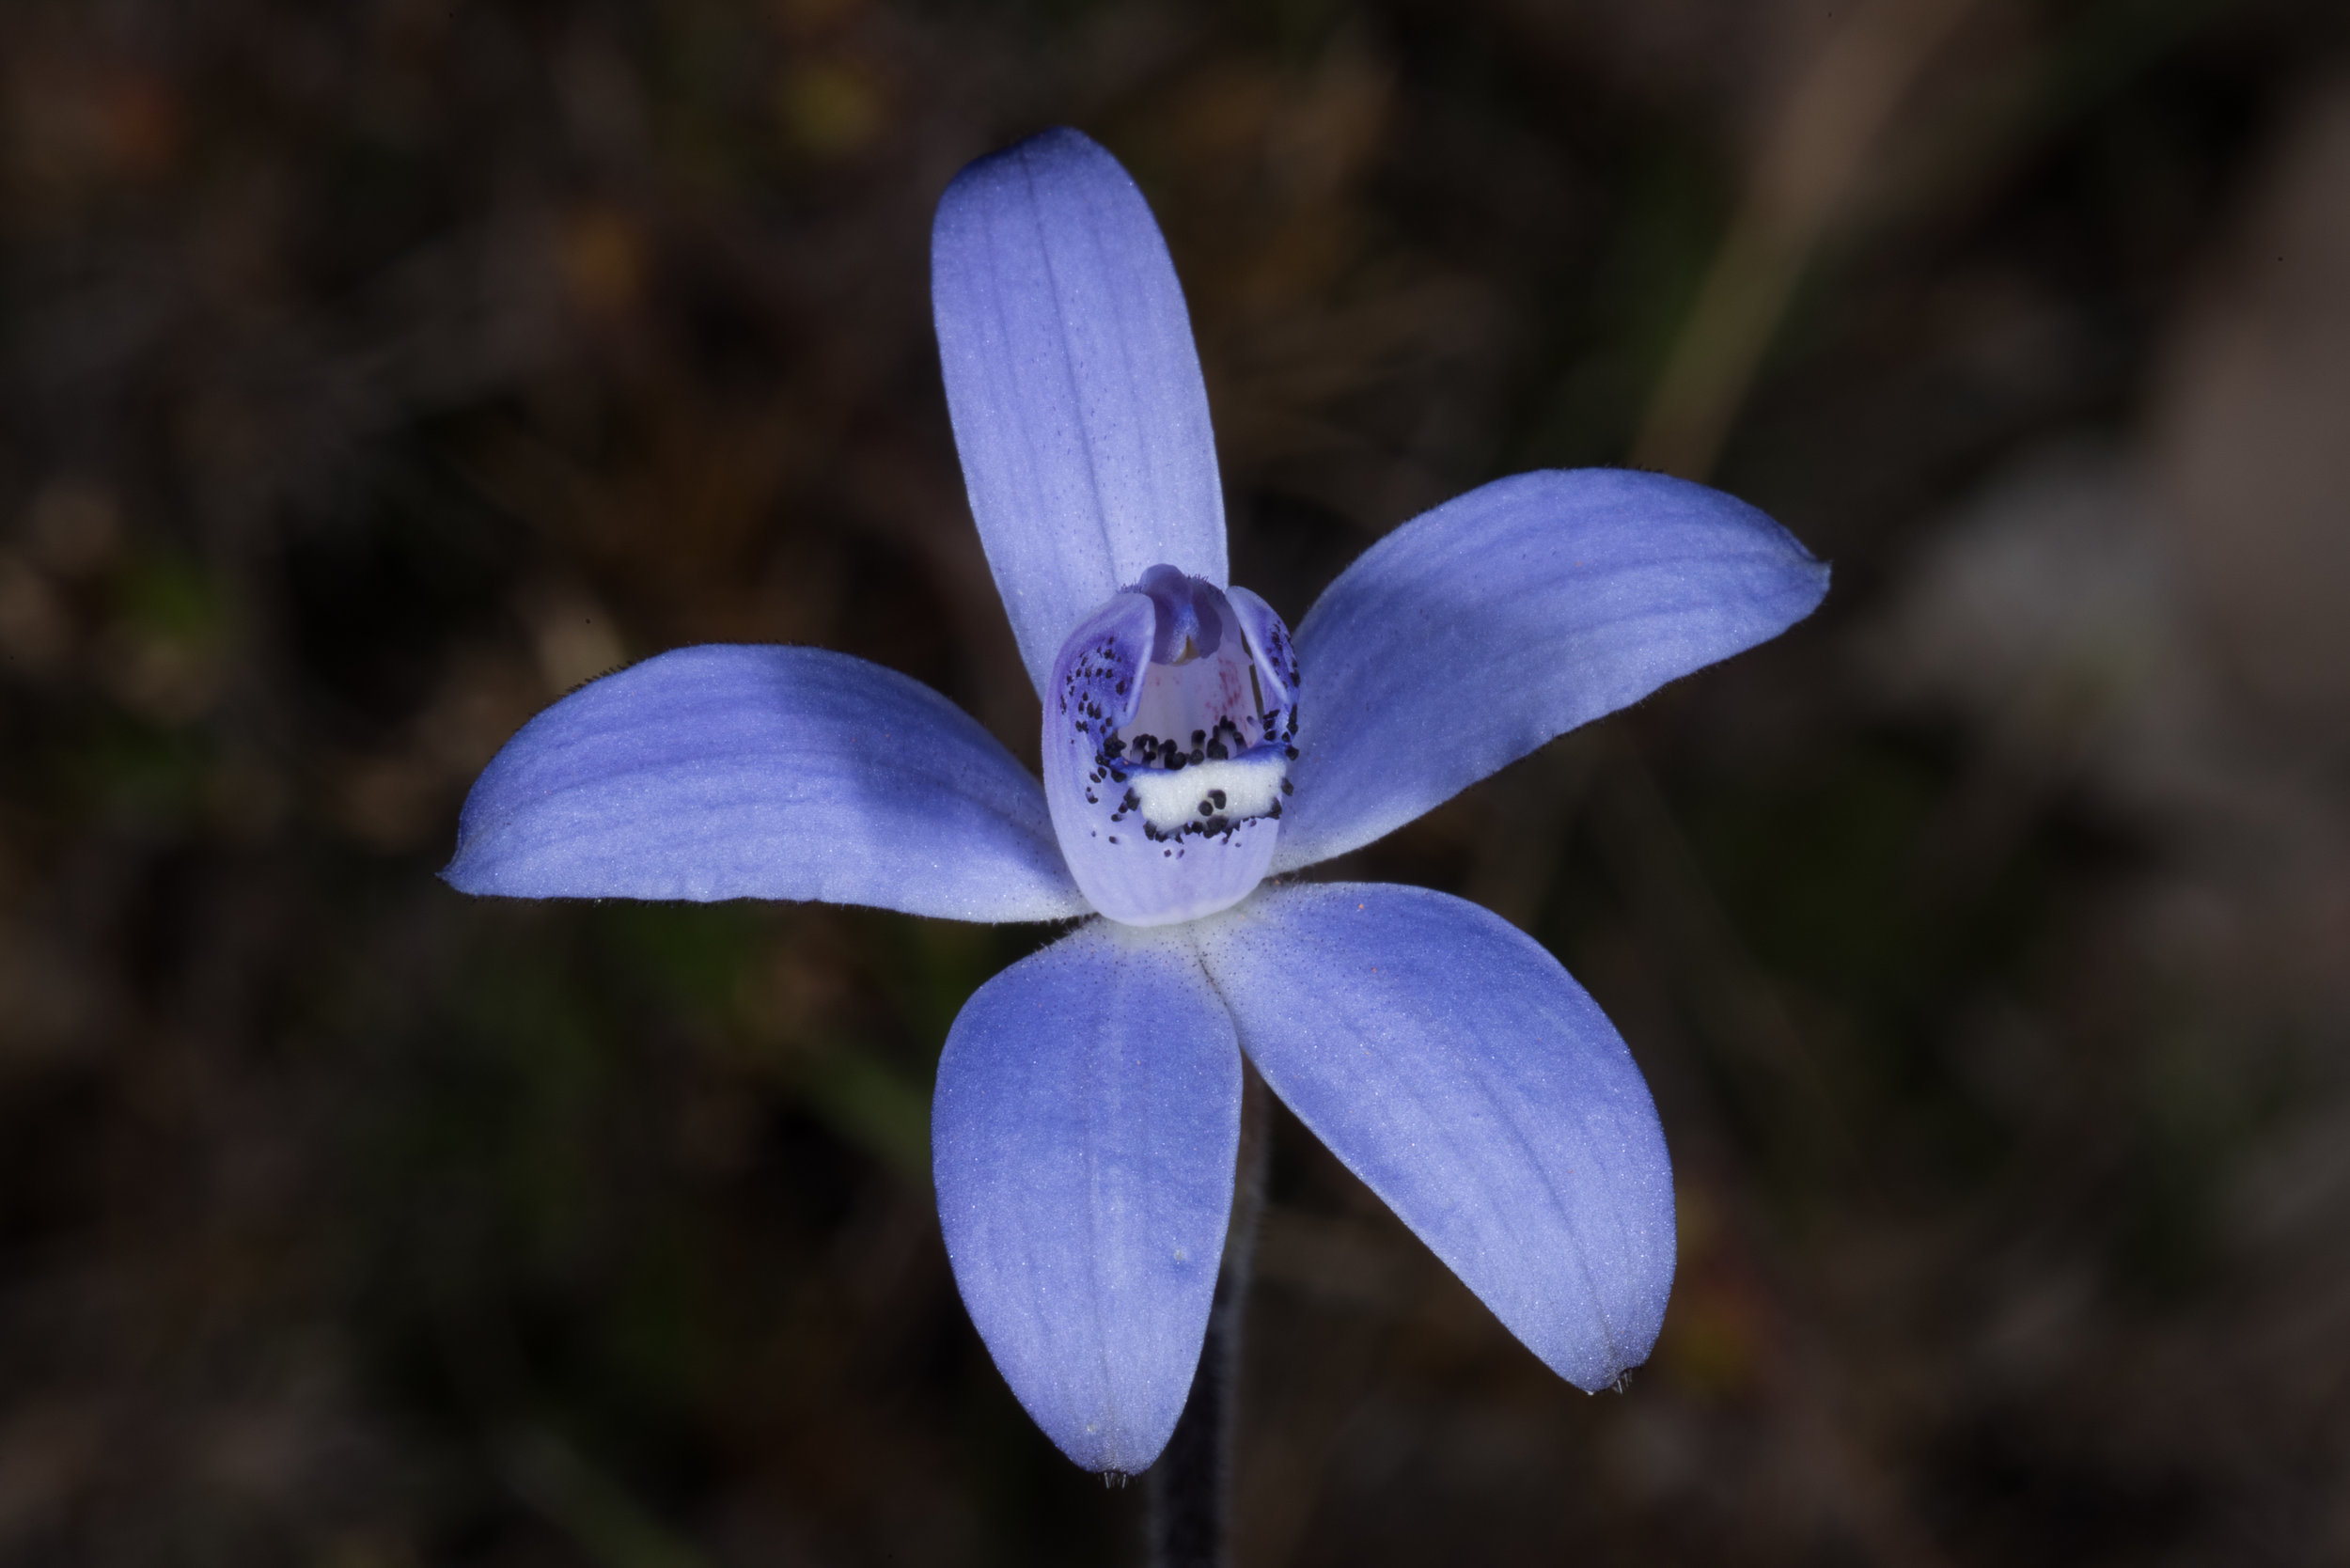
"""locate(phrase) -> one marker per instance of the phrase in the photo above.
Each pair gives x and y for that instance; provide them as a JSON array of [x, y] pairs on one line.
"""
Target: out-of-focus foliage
[[372, 373]]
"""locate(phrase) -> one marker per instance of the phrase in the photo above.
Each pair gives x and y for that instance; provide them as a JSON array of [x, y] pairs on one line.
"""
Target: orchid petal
[[1451, 1064], [1083, 1139], [1477, 631], [1074, 385], [727, 772]]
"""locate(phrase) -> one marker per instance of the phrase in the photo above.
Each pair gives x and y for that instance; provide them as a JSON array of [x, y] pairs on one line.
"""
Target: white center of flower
[[1234, 790]]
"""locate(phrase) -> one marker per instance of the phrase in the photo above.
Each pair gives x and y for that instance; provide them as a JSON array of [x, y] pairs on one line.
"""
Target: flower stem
[[1191, 1485]]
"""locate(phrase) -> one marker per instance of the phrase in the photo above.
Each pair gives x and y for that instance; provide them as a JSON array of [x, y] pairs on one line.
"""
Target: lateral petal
[[1083, 1140], [727, 772], [1477, 631], [1074, 385], [1451, 1063]]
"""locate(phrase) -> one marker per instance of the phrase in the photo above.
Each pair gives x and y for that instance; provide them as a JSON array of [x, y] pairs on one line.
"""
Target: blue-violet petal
[[728, 772], [1477, 631], [1083, 1140], [1074, 385], [1451, 1064]]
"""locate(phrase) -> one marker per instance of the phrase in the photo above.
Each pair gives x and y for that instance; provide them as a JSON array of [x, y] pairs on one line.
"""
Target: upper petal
[[1083, 1139], [727, 771], [1074, 385], [1451, 1064], [1477, 631]]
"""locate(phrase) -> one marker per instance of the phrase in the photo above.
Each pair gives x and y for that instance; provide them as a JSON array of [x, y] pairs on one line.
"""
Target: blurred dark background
[[371, 373]]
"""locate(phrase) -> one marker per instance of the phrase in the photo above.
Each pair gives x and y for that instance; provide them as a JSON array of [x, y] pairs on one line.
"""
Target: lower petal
[[1451, 1063], [1087, 1120]]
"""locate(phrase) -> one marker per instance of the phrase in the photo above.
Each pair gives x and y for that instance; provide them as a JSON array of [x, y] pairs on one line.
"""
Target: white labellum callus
[[1168, 731]]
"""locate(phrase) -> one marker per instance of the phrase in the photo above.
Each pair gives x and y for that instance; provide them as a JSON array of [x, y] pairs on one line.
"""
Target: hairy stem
[[1191, 1485]]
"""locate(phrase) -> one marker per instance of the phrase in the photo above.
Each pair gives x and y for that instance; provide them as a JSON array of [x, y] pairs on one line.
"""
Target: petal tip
[[1112, 1452]]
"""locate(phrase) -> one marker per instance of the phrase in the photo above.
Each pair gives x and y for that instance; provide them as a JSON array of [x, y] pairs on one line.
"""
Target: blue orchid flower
[[1088, 1108]]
